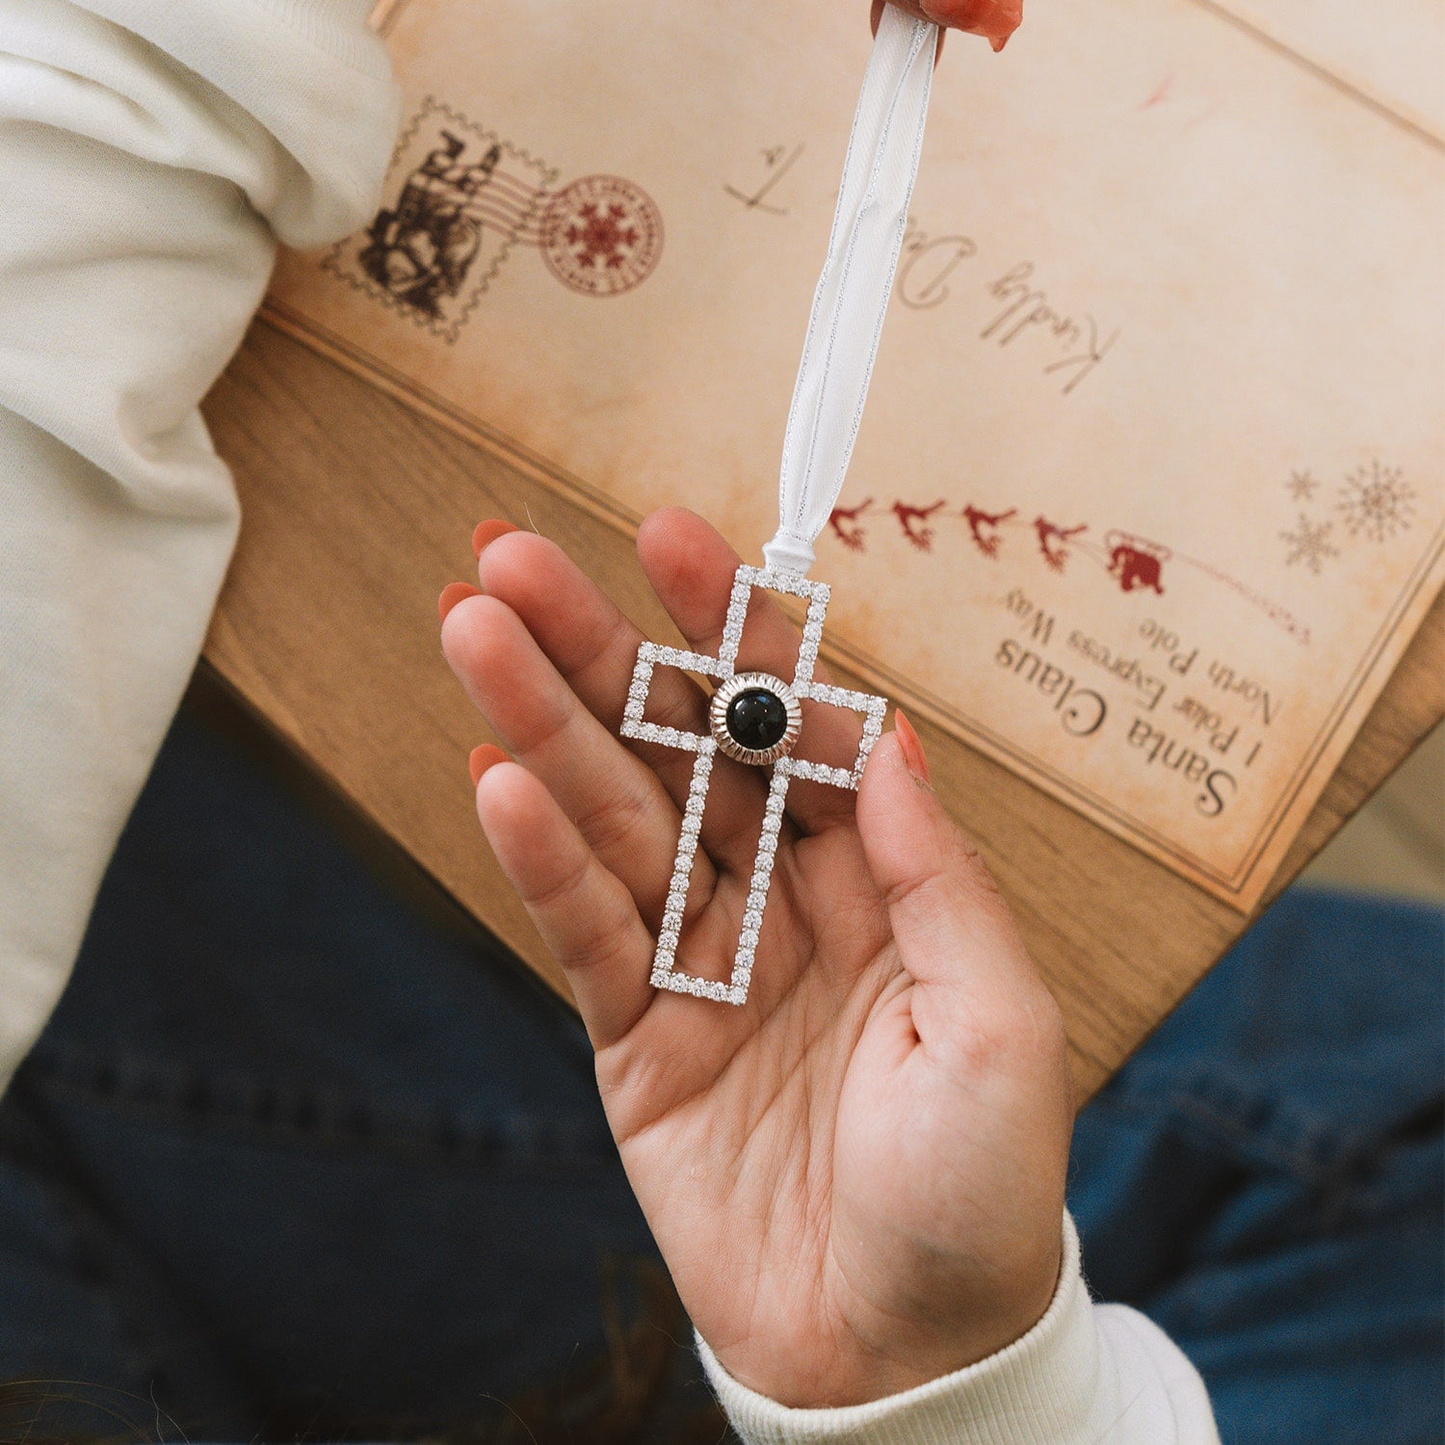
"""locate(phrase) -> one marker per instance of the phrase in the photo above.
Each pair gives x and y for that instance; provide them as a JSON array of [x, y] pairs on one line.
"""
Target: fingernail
[[453, 593], [911, 748], [487, 755], [487, 532], [998, 43]]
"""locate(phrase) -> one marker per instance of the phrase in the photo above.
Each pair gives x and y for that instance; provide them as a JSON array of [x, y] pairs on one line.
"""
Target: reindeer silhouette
[[913, 520], [986, 541], [844, 522], [1052, 540]]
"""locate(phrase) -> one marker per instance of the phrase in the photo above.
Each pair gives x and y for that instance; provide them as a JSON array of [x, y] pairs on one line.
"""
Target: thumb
[[953, 929]]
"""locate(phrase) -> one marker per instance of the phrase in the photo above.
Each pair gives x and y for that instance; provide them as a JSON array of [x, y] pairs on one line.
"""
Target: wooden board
[[357, 511]]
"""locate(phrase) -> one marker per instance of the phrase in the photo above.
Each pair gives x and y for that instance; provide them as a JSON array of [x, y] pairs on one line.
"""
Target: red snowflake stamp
[[601, 235]]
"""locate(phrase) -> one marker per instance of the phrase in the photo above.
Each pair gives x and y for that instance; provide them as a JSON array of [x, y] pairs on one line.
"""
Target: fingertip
[[679, 527], [943, 902], [583, 913], [515, 811], [674, 534], [483, 757], [466, 634], [690, 565], [904, 827], [994, 20], [502, 802], [889, 786], [453, 593], [515, 562], [911, 746], [485, 533]]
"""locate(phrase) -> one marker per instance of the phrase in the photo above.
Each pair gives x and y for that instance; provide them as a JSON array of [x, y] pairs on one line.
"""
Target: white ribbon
[[853, 291]]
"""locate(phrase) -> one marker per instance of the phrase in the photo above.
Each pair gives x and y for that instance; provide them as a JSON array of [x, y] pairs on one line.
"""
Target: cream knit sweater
[[152, 154]]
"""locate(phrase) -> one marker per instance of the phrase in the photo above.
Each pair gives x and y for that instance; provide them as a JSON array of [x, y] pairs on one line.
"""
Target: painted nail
[[488, 532], [453, 593], [488, 755], [911, 748]]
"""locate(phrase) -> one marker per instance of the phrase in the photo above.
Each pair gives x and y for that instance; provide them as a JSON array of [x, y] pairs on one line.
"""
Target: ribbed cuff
[[1042, 1388]]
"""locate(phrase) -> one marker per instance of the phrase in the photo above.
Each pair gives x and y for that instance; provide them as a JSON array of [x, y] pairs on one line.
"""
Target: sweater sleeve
[[151, 154], [1086, 1374]]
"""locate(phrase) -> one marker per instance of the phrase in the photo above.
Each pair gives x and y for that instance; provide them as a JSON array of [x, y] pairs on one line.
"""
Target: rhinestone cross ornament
[[755, 718]]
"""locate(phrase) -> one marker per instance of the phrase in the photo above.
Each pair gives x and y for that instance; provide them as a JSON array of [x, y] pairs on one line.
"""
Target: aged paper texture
[[1147, 498]]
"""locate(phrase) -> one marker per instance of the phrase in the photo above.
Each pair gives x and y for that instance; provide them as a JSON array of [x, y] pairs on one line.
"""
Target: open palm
[[856, 1178]]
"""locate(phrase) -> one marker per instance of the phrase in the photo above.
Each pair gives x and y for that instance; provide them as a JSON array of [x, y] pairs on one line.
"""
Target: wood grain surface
[[357, 512]]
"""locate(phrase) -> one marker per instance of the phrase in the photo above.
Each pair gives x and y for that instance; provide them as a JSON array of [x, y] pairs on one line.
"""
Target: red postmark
[[601, 235]]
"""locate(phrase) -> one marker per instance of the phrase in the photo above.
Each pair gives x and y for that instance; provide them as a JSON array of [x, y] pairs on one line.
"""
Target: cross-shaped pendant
[[755, 718]]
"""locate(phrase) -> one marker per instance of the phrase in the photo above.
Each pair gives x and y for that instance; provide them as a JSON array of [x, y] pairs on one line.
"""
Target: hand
[[995, 20], [856, 1178]]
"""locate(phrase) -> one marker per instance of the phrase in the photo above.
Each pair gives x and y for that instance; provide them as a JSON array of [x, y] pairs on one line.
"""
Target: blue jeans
[[1264, 1178], [294, 1159]]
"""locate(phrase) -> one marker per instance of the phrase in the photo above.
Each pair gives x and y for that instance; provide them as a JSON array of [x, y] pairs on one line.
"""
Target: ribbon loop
[[853, 290], [789, 551]]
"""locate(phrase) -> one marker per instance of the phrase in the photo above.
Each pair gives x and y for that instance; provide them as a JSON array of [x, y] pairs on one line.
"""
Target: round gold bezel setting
[[735, 686]]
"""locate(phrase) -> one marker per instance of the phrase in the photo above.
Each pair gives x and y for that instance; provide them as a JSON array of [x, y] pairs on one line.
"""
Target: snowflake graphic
[[1301, 486], [1376, 501], [601, 233], [1309, 543]]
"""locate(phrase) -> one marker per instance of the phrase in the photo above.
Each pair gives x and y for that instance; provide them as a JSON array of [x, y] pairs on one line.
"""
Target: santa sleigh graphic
[[1136, 561], [421, 250]]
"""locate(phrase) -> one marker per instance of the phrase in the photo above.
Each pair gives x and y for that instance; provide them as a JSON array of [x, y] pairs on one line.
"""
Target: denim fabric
[[289, 1155], [1265, 1178], [292, 1161]]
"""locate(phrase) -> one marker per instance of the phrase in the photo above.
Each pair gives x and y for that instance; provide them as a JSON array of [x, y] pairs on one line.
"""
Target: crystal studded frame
[[665, 973]]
